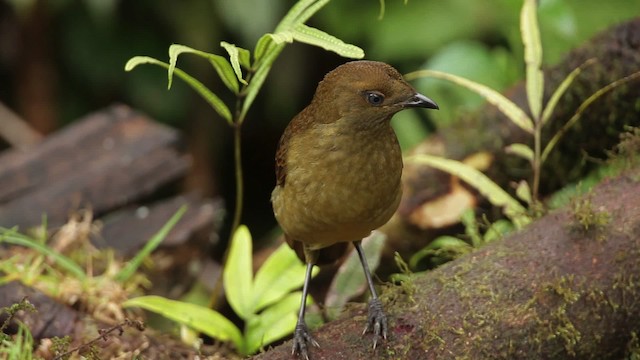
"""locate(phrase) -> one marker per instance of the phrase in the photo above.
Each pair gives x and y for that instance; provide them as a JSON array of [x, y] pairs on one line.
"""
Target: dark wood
[[102, 162], [51, 317]]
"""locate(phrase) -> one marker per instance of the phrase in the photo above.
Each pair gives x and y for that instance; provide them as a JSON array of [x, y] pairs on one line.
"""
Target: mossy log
[[566, 287], [433, 200]]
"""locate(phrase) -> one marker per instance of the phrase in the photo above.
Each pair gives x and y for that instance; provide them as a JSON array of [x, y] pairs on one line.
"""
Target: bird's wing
[[281, 158]]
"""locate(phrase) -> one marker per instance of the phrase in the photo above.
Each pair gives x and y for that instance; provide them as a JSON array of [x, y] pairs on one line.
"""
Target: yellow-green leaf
[[585, 104], [263, 46], [494, 193], [523, 192], [511, 110], [238, 274], [532, 56], [316, 37], [281, 273], [520, 150], [564, 85], [196, 85], [234, 58], [198, 317], [219, 63]]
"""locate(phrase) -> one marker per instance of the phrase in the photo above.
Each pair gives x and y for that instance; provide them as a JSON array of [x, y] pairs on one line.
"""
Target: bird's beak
[[419, 100]]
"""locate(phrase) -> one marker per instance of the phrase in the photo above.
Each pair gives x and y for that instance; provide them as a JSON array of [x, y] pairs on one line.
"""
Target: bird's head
[[367, 91]]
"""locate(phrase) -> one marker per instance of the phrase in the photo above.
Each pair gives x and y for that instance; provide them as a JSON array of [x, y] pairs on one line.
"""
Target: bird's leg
[[301, 334], [376, 320]]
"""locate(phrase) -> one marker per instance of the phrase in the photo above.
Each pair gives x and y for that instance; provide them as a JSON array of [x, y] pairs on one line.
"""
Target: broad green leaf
[[275, 322], [196, 85], [133, 264], [237, 274], [564, 85], [234, 57], [585, 104], [511, 110], [350, 281], [521, 150], [281, 273], [316, 37], [11, 236], [219, 63], [198, 317], [532, 56], [496, 195]]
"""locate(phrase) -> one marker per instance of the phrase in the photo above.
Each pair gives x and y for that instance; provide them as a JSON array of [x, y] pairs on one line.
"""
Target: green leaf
[[496, 195], [281, 273], [442, 244], [585, 104], [497, 230], [523, 192], [274, 323], [196, 85], [198, 317], [520, 150], [557, 94], [219, 63], [349, 280], [259, 77], [511, 110], [133, 264], [468, 219], [300, 13], [11, 236], [237, 274], [532, 56], [234, 57], [263, 46], [316, 37]]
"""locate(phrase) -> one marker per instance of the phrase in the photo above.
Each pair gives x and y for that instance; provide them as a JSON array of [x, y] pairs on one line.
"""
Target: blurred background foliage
[[61, 59]]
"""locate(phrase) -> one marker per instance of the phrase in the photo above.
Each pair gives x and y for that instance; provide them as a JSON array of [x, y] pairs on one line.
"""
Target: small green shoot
[[245, 85], [132, 265], [531, 124], [266, 303]]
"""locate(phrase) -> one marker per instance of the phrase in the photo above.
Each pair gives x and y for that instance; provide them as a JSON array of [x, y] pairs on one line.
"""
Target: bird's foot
[[301, 337], [376, 321]]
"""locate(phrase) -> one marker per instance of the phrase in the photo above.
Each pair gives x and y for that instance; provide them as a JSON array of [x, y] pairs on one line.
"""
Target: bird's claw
[[301, 337], [376, 321]]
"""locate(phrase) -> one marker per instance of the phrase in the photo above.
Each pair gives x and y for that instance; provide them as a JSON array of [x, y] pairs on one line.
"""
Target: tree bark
[[567, 286]]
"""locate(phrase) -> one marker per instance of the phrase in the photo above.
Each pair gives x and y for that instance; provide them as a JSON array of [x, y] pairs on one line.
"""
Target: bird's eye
[[374, 98]]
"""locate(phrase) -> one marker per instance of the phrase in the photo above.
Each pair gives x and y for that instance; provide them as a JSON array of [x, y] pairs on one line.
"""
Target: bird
[[338, 169]]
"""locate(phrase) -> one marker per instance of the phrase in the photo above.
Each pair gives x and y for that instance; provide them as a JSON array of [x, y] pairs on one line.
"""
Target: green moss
[[633, 347], [586, 218]]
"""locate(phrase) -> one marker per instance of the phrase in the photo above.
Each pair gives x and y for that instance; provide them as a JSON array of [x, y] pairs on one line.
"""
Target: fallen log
[[102, 162], [567, 286]]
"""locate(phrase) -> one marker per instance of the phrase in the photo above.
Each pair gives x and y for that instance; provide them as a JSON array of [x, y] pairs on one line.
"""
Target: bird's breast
[[340, 184]]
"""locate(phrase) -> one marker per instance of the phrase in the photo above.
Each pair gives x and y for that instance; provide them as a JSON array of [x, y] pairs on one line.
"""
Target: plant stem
[[537, 164], [237, 156]]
